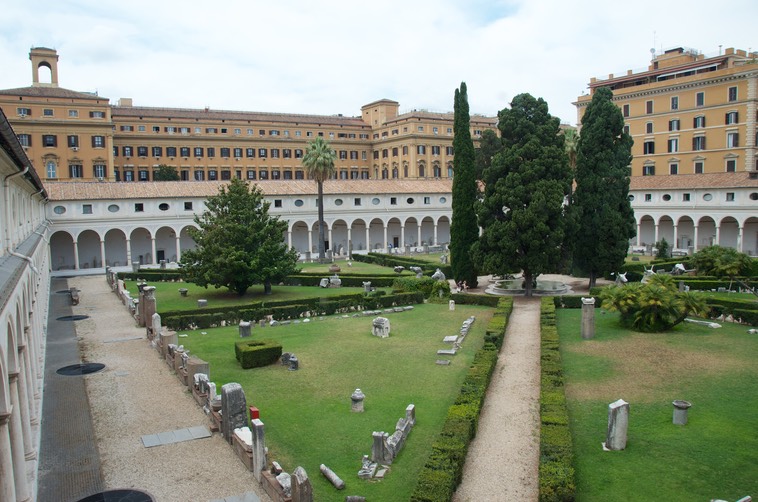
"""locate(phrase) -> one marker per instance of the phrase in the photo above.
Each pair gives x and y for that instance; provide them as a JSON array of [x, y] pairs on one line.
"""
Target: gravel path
[[137, 394], [503, 460]]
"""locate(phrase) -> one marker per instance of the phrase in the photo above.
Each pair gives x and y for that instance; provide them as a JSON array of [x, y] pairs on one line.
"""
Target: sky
[[328, 58]]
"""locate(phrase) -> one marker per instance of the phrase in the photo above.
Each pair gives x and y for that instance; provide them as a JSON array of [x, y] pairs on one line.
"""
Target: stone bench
[[74, 296]]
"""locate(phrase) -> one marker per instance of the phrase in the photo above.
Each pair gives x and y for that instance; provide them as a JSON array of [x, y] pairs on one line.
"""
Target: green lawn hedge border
[[390, 260], [257, 353], [443, 470], [556, 472], [209, 317]]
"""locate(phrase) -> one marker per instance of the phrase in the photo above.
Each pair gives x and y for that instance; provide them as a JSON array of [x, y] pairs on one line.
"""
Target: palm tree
[[570, 144], [318, 162]]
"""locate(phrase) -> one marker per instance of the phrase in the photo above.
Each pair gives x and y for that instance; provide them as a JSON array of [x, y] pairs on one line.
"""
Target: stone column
[[259, 448], [718, 235], [17, 444], [639, 230], [402, 236], [102, 253], [310, 240], [739, 239], [128, 251], [331, 242], [23, 407], [152, 251], [675, 244], [385, 237], [618, 423], [31, 386], [76, 256], [289, 239], [178, 247], [418, 234], [435, 234], [656, 233], [349, 242], [695, 247], [368, 241], [588, 318], [7, 485], [357, 401]]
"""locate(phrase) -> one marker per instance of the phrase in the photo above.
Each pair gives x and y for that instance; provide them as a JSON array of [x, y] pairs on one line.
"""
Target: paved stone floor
[[69, 465]]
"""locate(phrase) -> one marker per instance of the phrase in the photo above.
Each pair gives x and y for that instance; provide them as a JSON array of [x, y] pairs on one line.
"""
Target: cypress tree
[[464, 231], [603, 212]]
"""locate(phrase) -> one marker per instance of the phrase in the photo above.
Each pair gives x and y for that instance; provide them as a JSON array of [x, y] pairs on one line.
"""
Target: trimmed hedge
[[471, 299], [311, 279], [746, 310], [152, 275], [556, 470], [257, 353], [209, 317], [443, 470], [389, 260], [572, 301]]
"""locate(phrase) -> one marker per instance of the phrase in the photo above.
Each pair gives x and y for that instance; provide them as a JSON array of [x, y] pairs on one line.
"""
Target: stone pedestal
[[357, 401], [245, 329], [588, 318], [202, 303], [680, 412], [618, 423], [451, 305], [259, 449], [156, 327]]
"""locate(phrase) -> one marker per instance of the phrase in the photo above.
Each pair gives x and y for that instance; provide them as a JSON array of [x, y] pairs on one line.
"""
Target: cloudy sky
[[306, 56]]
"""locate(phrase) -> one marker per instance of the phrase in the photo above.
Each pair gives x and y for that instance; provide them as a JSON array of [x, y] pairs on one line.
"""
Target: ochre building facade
[[75, 136]]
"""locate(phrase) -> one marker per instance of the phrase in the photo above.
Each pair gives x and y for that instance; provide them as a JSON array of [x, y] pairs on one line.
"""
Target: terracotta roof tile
[[210, 114], [95, 190], [694, 181], [52, 92]]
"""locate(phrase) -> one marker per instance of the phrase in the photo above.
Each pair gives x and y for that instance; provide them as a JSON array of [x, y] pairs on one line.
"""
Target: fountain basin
[[514, 287]]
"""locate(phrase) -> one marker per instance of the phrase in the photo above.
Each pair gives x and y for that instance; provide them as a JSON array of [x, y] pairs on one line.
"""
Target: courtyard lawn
[[356, 268], [307, 412], [168, 297], [714, 456]]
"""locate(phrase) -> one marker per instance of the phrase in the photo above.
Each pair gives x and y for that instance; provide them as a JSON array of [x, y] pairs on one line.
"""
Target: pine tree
[[605, 220], [464, 231], [522, 213]]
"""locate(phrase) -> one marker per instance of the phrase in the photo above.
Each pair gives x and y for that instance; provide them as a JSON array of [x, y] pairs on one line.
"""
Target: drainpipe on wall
[[6, 187]]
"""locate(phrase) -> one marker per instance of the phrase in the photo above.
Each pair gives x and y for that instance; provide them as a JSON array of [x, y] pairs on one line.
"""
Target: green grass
[[307, 412], [168, 297], [357, 268], [714, 456]]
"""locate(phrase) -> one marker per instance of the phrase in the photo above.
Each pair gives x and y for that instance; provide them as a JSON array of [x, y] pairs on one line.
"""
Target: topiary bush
[[257, 353]]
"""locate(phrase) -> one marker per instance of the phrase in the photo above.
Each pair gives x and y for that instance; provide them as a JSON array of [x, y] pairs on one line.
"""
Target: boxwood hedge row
[[556, 472]]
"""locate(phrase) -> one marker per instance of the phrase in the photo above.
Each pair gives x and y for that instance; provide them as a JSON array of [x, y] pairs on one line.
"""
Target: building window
[[99, 171], [674, 102], [357, 201], [673, 145], [212, 175], [128, 175], [298, 153], [73, 113], [666, 197], [23, 112], [250, 153], [698, 122], [157, 151], [211, 130], [199, 175], [156, 129], [211, 152], [649, 107], [421, 150], [625, 109], [427, 200], [435, 150], [673, 168], [49, 140], [649, 128], [274, 153], [238, 153], [263, 174], [198, 151], [171, 151], [262, 153], [699, 167], [25, 139], [75, 171], [97, 114], [707, 197], [87, 208], [113, 208], [275, 174], [163, 206], [648, 197], [287, 174], [226, 175], [364, 155], [700, 99], [648, 170], [141, 128], [47, 112], [448, 150], [144, 175], [649, 147], [731, 118], [698, 143], [51, 168], [674, 125], [732, 140], [730, 196], [141, 151], [225, 152], [139, 207], [126, 128], [127, 151], [731, 165], [420, 128], [188, 206], [299, 175], [732, 94], [250, 174], [250, 132], [184, 151], [685, 197], [170, 129], [98, 141]]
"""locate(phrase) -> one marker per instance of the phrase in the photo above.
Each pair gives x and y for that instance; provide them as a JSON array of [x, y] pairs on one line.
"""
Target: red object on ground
[[254, 413]]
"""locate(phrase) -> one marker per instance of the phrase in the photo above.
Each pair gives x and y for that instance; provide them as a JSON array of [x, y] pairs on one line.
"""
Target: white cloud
[[302, 56]]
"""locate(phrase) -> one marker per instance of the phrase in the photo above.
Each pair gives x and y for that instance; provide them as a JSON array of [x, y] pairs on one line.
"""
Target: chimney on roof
[[126, 102]]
